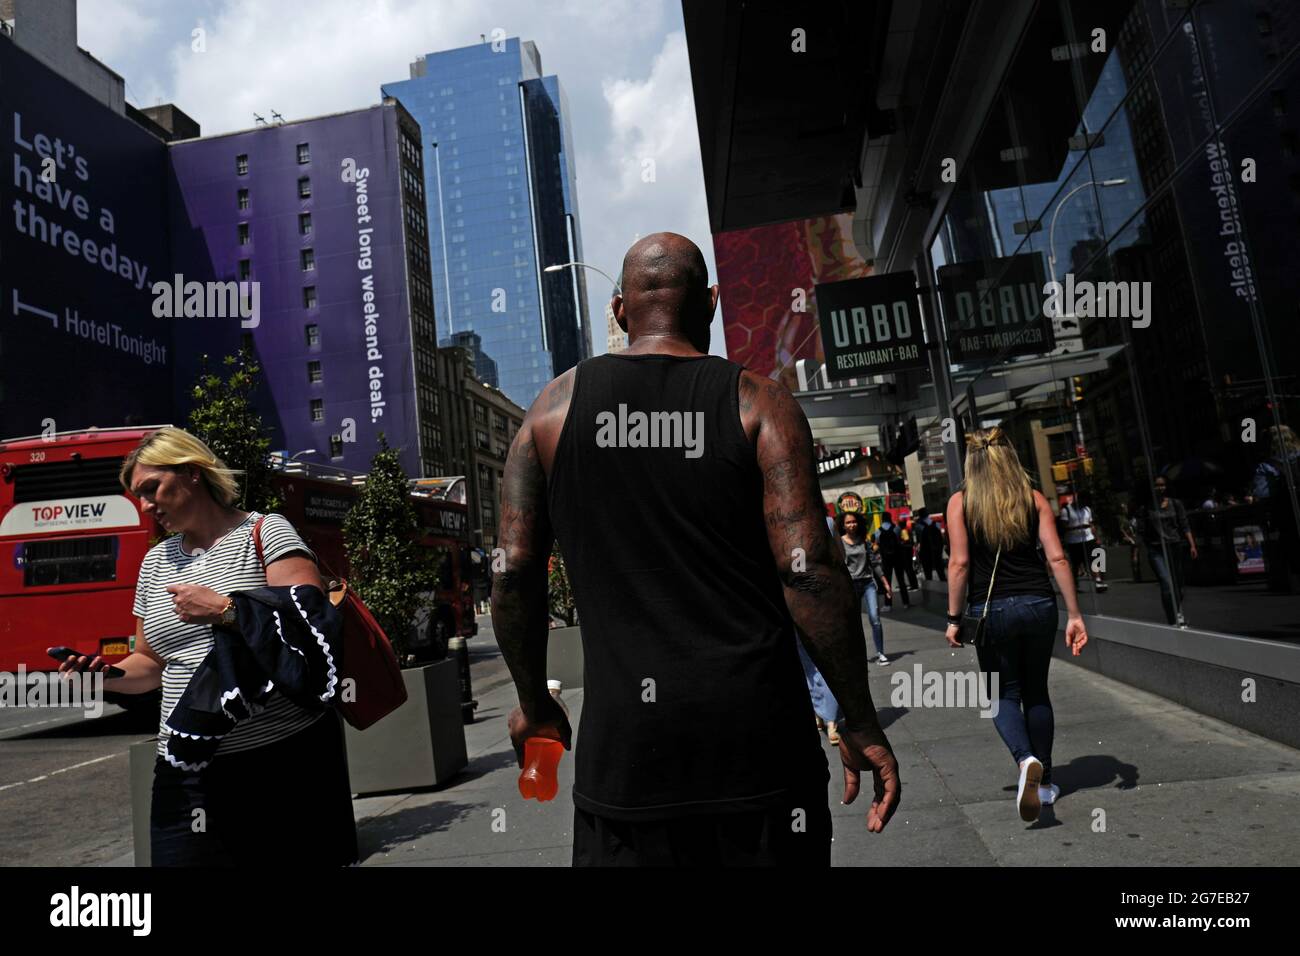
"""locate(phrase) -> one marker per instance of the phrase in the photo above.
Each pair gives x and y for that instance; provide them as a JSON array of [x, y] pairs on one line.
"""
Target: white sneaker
[[883, 660], [1027, 800], [1047, 795]]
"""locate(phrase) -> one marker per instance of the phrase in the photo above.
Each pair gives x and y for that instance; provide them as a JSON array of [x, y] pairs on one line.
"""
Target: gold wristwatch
[[228, 613]]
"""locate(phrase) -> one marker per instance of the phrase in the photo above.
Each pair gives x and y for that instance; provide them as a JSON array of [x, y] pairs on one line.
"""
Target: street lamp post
[[566, 265], [1051, 266], [584, 265]]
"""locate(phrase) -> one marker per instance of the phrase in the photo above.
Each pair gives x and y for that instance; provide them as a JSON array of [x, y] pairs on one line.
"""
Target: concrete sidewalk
[[1143, 781]]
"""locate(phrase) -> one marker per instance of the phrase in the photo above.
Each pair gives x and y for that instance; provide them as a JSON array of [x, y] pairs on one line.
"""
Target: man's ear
[[620, 315], [713, 299]]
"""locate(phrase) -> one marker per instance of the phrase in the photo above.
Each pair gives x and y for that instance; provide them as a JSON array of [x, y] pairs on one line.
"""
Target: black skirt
[[288, 803]]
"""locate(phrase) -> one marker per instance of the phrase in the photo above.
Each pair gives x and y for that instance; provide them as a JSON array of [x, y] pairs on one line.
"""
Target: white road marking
[[46, 776], [35, 723]]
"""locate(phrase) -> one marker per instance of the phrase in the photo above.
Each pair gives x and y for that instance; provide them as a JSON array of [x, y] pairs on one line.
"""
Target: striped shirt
[[229, 565]]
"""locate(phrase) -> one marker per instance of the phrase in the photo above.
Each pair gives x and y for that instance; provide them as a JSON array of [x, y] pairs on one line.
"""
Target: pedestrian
[[692, 632], [1128, 533], [1169, 542], [892, 557], [276, 788], [907, 551], [1269, 487], [932, 545], [997, 524], [868, 575], [1082, 540]]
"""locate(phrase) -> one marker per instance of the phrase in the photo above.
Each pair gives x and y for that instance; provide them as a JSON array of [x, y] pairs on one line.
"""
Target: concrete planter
[[421, 744], [142, 757], [564, 656]]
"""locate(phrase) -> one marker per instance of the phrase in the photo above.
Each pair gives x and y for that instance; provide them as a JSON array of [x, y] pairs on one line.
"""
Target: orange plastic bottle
[[539, 779]]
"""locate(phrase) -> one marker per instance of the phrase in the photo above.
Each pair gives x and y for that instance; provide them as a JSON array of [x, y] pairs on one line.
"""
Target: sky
[[623, 64]]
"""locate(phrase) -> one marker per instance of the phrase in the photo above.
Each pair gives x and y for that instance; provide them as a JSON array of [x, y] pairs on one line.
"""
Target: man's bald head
[[665, 288]]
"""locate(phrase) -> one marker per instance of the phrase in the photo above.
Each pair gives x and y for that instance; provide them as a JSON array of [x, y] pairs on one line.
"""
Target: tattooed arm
[[520, 606], [818, 589]]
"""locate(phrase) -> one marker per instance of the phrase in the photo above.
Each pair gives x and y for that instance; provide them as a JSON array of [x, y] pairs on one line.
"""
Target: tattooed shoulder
[[560, 391]]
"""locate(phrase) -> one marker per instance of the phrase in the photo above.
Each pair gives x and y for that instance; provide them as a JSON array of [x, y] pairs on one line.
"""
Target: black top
[[1021, 569], [694, 695], [1168, 524]]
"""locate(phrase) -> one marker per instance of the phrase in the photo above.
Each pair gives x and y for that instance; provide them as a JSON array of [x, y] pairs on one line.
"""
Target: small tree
[[560, 591], [390, 571], [226, 419]]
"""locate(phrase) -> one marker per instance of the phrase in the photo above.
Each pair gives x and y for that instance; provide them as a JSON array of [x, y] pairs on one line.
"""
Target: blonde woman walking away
[[996, 525]]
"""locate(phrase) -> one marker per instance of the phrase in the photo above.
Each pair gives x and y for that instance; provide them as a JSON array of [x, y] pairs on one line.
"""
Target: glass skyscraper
[[502, 205]]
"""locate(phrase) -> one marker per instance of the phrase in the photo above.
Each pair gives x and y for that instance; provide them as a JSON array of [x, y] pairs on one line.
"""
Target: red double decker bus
[[72, 541]]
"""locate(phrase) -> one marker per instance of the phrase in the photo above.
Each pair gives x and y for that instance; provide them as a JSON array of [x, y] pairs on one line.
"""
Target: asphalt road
[[64, 786]]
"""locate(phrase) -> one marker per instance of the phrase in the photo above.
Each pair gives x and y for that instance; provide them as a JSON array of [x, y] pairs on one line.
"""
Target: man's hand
[[554, 723], [861, 751]]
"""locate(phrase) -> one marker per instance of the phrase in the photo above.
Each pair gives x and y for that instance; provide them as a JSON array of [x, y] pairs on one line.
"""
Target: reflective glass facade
[[501, 206], [1167, 174]]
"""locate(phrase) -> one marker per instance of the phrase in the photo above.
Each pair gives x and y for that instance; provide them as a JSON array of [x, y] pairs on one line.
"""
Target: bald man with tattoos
[[682, 492]]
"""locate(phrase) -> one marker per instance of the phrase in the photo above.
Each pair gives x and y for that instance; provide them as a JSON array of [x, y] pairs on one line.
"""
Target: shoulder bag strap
[[257, 540], [992, 577]]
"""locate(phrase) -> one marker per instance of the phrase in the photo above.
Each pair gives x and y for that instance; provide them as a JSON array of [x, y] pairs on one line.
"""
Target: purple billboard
[[310, 214], [82, 238]]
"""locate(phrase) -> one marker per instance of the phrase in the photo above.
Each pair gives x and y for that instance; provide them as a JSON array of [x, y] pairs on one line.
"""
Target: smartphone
[[63, 653]]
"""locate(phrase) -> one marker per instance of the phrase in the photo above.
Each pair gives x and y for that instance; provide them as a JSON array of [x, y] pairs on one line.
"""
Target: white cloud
[[109, 29], [652, 119], [627, 79]]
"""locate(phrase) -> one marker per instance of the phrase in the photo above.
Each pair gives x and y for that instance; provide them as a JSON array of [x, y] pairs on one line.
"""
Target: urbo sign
[[870, 325]]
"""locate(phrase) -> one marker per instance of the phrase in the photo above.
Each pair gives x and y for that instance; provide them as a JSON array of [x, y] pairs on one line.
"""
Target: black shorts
[[793, 833], [288, 803]]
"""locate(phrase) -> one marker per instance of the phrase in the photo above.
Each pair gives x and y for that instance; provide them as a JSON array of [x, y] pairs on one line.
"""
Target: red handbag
[[372, 685]]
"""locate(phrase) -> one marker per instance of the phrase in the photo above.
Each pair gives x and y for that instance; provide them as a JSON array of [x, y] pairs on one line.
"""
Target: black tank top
[[1021, 570], [694, 699]]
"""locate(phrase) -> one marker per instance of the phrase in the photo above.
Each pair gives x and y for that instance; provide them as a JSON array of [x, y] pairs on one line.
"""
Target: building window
[[245, 269], [336, 446], [313, 372], [318, 409], [304, 188], [243, 199], [243, 233], [481, 439], [309, 297], [308, 260], [304, 224], [313, 335], [241, 164], [304, 153]]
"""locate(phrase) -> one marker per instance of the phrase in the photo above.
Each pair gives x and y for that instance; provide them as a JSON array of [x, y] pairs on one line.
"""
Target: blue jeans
[[824, 702], [1021, 629], [1170, 576], [870, 597]]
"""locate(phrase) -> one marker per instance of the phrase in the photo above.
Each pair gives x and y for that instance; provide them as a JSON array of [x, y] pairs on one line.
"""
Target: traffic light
[[1078, 388], [901, 443]]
